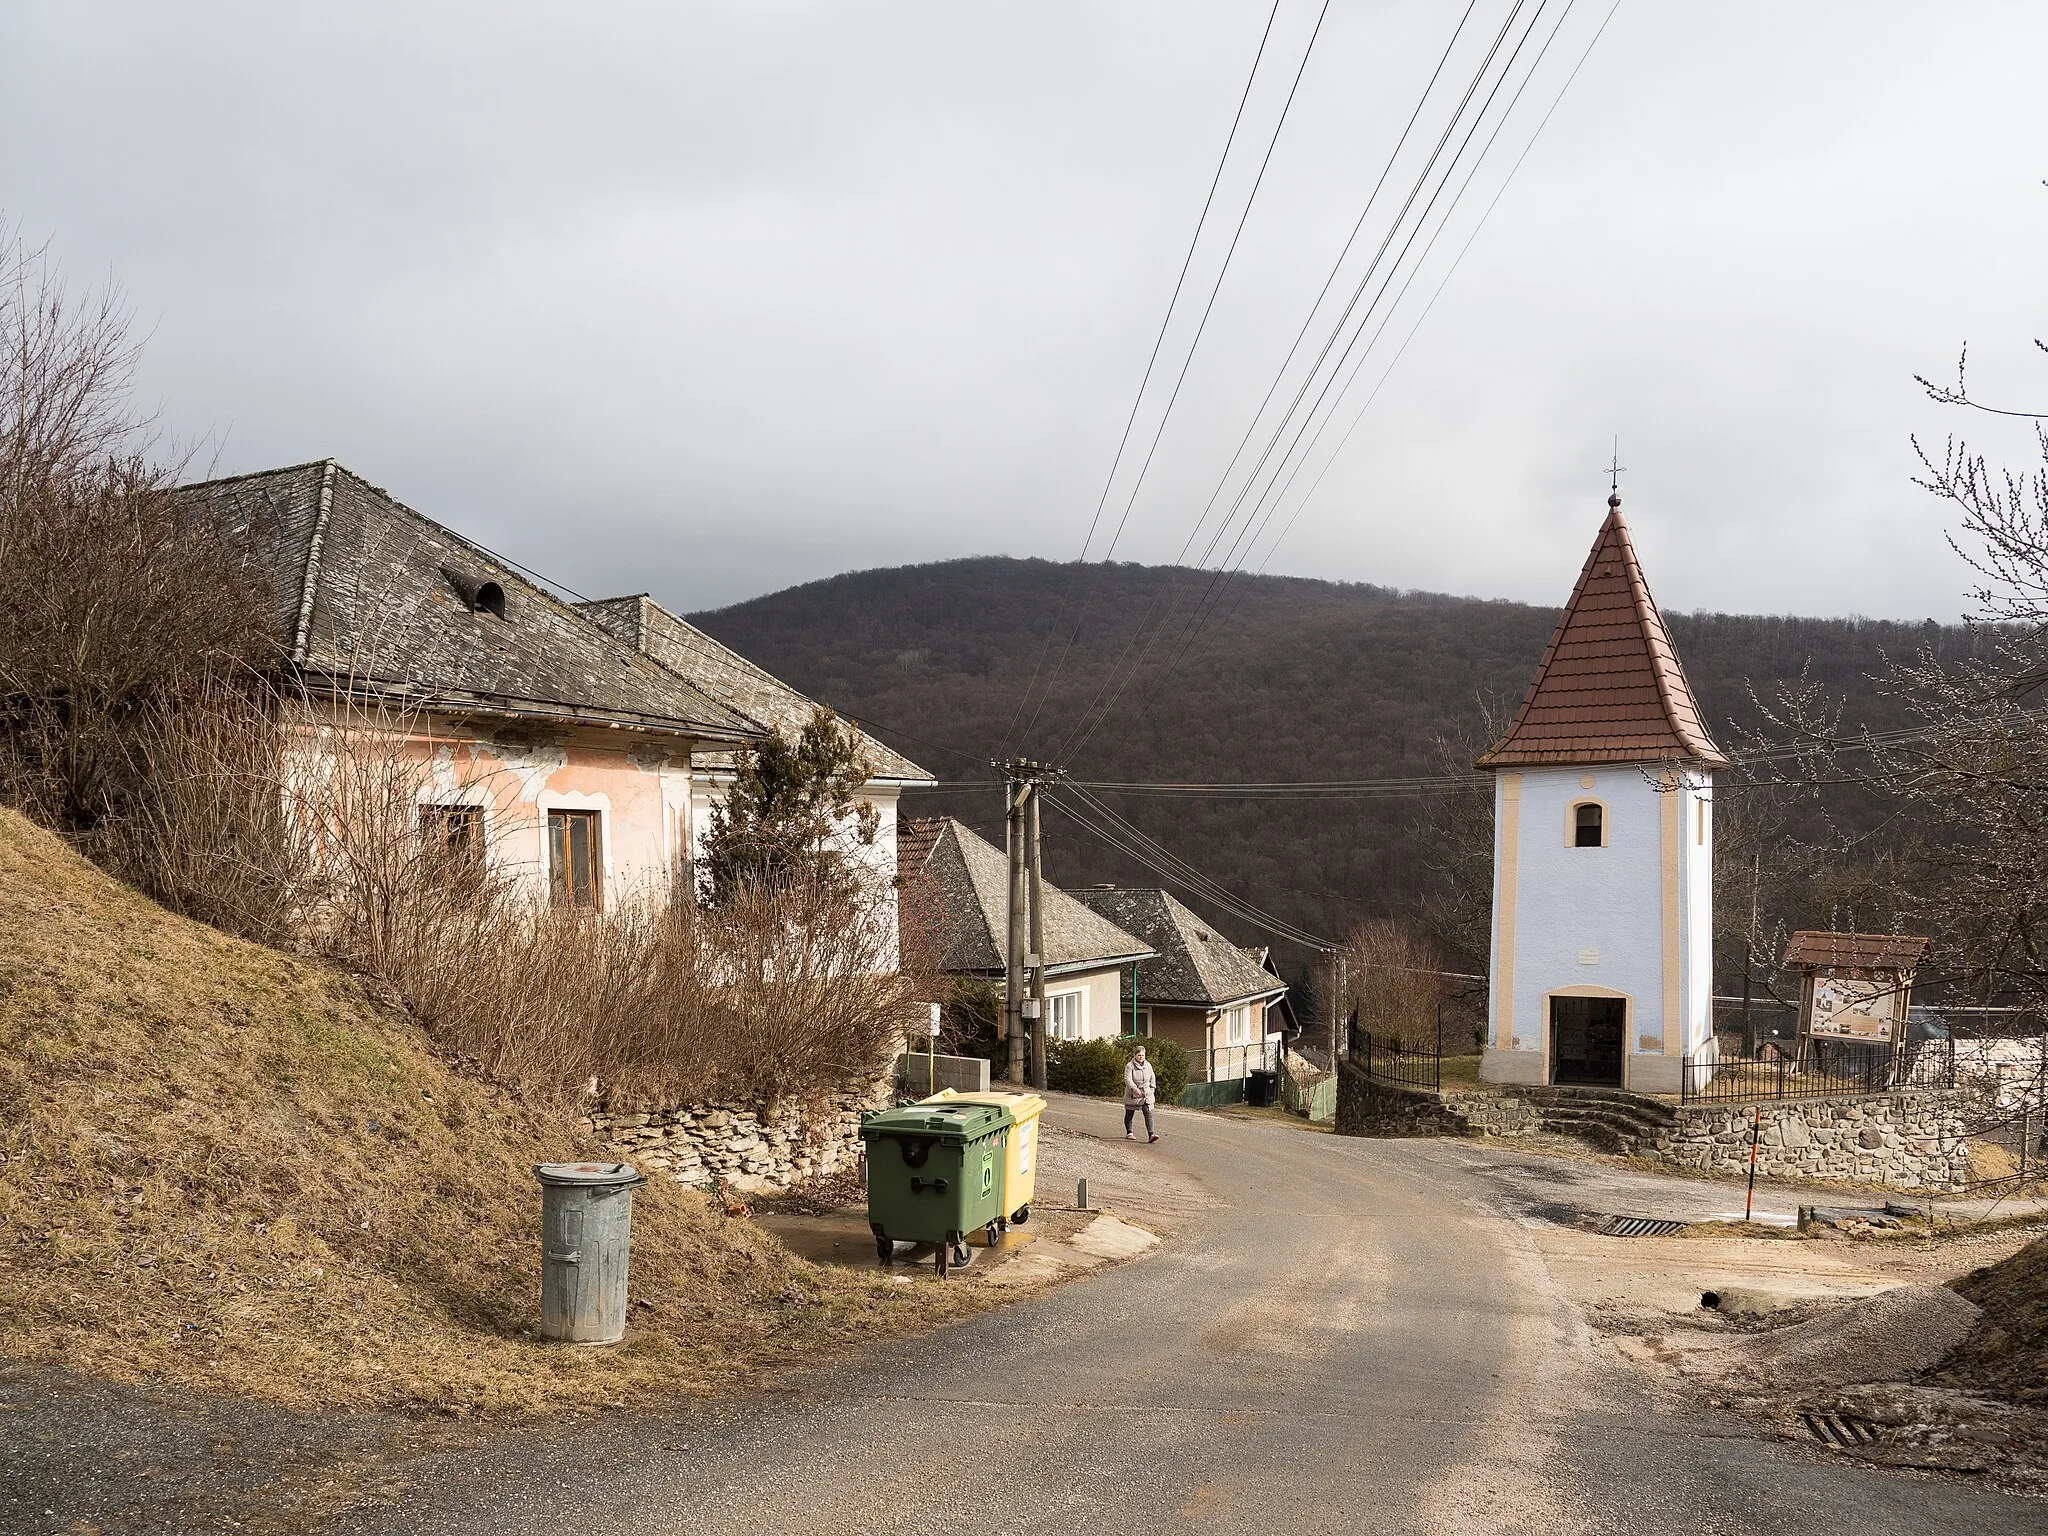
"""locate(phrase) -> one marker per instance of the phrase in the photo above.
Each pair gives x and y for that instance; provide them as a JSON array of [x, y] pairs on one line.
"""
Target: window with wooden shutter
[[575, 858]]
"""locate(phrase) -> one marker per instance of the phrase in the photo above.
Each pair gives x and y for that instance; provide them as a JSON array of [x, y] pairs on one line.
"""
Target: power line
[[1281, 373], [1187, 362], [1092, 717], [1119, 833], [1151, 362], [1275, 495], [1452, 271], [1194, 625], [1220, 581]]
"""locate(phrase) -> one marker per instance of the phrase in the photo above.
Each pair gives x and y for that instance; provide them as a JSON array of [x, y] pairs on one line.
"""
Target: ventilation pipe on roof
[[479, 593]]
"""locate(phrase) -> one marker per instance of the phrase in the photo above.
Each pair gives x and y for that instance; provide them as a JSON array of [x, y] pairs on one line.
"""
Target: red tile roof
[[1609, 689]]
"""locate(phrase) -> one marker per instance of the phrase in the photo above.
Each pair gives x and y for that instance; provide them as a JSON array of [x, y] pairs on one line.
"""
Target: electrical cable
[[1162, 861], [1307, 320], [1452, 271], [1093, 716], [1187, 361], [1270, 503], [1277, 501], [1206, 894], [1098, 711], [1166, 321]]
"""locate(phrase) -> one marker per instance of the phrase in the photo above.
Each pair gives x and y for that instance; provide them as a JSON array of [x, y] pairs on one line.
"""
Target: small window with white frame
[[1063, 1015], [1237, 1025]]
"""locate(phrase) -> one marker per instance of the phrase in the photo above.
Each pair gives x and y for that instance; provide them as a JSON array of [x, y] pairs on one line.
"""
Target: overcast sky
[[709, 300]]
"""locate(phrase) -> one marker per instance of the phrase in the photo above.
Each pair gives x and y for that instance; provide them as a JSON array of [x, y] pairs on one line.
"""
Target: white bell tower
[[1603, 855]]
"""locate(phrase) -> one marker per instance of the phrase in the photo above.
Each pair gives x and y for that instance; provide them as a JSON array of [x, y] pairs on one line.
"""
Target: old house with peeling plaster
[[575, 748]]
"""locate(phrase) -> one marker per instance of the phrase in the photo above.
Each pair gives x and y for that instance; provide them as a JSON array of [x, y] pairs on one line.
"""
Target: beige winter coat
[[1141, 1083]]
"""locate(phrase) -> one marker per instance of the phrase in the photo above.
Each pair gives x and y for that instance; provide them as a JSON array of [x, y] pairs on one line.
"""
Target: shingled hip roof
[[1196, 965], [724, 674], [1609, 688], [375, 600], [963, 883]]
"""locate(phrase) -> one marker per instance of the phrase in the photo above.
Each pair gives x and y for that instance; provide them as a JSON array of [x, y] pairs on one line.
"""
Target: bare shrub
[[208, 831], [783, 989], [1392, 982], [118, 609]]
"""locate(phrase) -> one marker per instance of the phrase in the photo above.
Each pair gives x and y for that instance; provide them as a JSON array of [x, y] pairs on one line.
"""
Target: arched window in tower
[[1589, 825]]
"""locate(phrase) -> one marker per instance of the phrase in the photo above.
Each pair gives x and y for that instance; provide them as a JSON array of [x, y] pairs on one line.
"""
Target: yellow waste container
[[1020, 1161]]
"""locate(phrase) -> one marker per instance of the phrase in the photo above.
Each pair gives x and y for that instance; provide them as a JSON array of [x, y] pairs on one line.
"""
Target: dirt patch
[[2007, 1351], [1892, 1336], [1851, 1358], [225, 1169]]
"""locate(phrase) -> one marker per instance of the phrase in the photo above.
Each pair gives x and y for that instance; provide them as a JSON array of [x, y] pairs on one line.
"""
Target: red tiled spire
[[1609, 689]]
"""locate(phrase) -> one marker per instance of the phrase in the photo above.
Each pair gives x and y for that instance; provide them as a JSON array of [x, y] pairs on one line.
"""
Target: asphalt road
[[1355, 1336]]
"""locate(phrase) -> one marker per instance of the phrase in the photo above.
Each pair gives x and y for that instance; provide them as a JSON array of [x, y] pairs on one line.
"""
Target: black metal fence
[[1823, 1069], [1389, 1063]]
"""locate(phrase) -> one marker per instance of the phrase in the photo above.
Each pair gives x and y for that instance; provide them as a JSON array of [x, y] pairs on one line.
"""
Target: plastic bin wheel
[[993, 1232], [885, 1249], [1021, 1215]]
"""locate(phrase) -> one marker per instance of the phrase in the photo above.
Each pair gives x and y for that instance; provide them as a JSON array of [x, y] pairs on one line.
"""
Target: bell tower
[[1603, 854]]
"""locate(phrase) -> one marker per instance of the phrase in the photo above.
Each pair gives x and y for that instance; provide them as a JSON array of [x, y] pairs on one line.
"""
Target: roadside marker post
[[1755, 1129]]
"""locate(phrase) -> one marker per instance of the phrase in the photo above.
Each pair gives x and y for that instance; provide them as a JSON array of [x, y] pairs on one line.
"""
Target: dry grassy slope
[[2009, 1347], [228, 1169]]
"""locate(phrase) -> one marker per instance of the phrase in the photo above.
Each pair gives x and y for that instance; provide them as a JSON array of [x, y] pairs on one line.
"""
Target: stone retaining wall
[[745, 1147], [1368, 1107], [1902, 1141]]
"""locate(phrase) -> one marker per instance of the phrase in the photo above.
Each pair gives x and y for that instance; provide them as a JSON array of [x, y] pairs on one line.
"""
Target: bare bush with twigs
[[1392, 983], [786, 988], [118, 609]]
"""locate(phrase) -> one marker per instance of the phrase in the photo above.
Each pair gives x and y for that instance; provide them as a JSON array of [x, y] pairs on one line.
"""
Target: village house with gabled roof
[[956, 897], [1602, 950], [1215, 999], [553, 749]]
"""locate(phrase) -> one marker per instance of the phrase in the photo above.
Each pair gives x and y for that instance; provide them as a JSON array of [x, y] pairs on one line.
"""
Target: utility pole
[[1336, 1003], [1024, 1020], [1034, 878], [1014, 796]]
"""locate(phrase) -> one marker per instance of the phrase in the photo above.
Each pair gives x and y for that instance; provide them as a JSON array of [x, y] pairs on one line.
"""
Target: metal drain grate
[[1638, 1226], [1841, 1429]]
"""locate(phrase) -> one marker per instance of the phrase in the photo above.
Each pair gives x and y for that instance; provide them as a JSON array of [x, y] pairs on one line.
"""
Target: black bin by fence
[[1262, 1088]]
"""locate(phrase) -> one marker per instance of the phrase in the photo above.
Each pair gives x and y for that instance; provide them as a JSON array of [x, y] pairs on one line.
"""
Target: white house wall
[[1631, 919]]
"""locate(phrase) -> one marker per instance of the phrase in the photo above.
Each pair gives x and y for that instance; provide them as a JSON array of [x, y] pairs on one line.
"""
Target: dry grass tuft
[[229, 1170]]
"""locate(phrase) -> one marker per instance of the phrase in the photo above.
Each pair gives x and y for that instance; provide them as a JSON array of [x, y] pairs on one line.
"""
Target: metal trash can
[[1020, 1173], [586, 1224], [1262, 1088], [935, 1175]]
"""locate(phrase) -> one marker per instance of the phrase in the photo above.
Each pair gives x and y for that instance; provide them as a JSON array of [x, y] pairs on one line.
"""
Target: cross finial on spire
[[1615, 470]]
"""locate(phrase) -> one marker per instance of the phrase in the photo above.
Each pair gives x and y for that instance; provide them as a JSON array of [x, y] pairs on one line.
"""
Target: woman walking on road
[[1141, 1086]]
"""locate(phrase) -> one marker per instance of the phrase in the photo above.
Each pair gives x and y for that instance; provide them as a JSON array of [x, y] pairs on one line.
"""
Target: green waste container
[[935, 1174]]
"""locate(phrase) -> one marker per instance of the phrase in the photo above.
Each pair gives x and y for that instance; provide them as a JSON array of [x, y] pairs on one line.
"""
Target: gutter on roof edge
[[514, 707]]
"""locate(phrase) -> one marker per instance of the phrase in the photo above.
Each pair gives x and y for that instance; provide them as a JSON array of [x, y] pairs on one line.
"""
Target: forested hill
[[1286, 679]]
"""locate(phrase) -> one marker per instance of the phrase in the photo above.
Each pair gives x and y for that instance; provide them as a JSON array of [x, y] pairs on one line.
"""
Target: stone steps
[[1610, 1119]]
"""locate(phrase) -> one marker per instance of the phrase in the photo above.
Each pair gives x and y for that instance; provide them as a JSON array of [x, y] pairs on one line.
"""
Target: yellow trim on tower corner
[[1672, 819], [1504, 888]]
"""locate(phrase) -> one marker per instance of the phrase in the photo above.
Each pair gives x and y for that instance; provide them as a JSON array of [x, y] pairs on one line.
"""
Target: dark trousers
[[1131, 1110]]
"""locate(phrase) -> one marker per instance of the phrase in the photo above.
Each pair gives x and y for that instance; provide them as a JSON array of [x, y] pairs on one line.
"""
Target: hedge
[[1096, 1067]]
